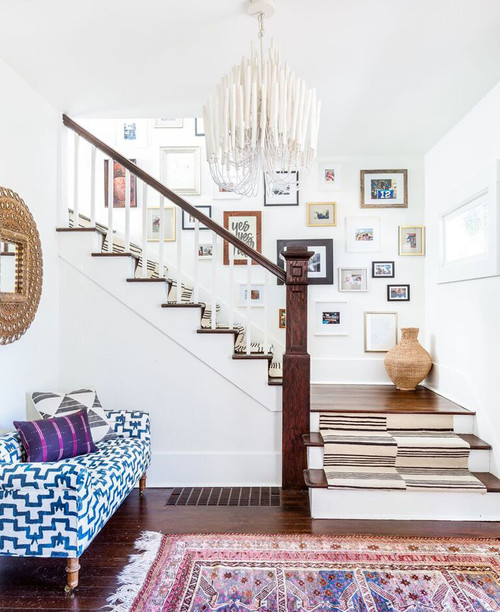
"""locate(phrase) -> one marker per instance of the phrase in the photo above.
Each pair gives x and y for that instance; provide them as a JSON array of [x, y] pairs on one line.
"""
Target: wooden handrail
[[176, 199]]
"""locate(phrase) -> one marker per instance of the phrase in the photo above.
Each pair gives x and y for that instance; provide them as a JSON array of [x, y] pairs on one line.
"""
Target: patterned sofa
[[56, 509]]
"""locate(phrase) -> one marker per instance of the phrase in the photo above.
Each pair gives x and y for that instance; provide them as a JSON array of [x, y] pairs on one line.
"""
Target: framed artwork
[[119, 185], [328, 176], [398, 293], [222, 194], [132, 133], [321, 214], [320, 267], [169, 123], [282, 318], [180, 169], [381, 331], [411, 240], [362, 234], [189, 222], [247, 226], [331, 319], [353, 279], [205, 250], [253, 297], [199, 126], [274, 196], [154, 225], [383, 269], [384, 188]]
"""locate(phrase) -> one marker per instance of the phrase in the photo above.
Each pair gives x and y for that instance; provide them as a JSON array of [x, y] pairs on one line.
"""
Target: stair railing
[[296, 361]]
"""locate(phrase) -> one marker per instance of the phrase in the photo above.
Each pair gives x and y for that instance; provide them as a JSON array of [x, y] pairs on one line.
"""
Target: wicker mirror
[[20, 267]]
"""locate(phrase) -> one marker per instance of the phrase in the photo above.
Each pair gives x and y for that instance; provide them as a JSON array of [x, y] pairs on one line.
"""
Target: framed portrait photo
[[154, 227], [247, 226], [398, 293], [169, 123], [320, 266], [321, 214], [282, 318], [328, 175], [331, 319], [279, 196], [381, 331], [189, 222], [353, 279], [252, 297], [384, 188], [119, 186], [362, 234], [180, 169], [411, 240], [383, 269]]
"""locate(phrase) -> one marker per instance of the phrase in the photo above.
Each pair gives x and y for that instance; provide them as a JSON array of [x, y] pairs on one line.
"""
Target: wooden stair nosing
[[182, 305], [78, 229], [268, 356], [313, 438], [146, 280], [368, 410], [124, 254], [490, 481], [275, 381], [219, 330]]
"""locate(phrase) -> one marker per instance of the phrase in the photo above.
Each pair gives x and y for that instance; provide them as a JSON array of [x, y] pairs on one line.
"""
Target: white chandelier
[[262, 119]]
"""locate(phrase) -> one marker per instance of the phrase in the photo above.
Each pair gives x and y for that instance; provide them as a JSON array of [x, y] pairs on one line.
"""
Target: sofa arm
[[11, 450], [130, 423], [39, 476]]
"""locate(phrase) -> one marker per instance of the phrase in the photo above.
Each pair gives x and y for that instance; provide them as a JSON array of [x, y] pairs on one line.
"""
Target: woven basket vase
[[408, 363]]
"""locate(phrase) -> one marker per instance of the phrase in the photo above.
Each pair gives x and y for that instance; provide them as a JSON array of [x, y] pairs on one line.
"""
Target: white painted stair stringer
[[179, 324]]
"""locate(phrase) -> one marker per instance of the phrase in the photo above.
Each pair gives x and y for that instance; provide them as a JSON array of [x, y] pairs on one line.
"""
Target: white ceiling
[[393, 75]]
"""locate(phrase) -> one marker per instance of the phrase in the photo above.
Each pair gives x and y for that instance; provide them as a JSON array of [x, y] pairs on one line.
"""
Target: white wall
[[28, 165], [462, 322]]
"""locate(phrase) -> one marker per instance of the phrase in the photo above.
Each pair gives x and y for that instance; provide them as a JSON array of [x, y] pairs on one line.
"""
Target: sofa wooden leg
[[142, 484], [72, 568]]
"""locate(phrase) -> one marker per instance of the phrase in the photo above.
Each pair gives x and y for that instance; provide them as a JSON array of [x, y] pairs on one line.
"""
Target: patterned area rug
[[238, 573]]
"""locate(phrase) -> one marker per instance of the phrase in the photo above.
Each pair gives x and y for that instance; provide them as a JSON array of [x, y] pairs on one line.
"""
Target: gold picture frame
[[384, 188], [321, 214], [411, 240], [153, 227]]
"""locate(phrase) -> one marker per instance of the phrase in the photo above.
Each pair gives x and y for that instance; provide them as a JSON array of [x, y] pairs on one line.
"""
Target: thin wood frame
[[331, 223], [282, 318], [228, 214], [400, 235], [364, 204]]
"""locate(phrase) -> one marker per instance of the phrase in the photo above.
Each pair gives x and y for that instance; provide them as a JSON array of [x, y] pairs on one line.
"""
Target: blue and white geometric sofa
[[56, 509]]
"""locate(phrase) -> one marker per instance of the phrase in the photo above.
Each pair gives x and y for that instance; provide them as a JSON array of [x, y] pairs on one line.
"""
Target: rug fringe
[[131, 578]]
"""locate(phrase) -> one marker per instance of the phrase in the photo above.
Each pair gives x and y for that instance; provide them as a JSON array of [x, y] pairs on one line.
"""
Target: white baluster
[[93, 157], [196, 293], [214, 281], [267, 301], [144, 231], [249, 305], [179, 255], [64, 198], [76, 186], [230, 250], [161, 244], [127, 210], [110, 204]]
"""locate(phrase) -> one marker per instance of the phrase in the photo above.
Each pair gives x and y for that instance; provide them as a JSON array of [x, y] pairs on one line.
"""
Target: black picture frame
[[292, 200], [186, 224], [393, 269], [327, 243], [197, 130], [397, 299]]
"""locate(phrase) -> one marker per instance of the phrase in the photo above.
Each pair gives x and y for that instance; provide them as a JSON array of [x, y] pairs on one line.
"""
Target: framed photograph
[[205, 250], [199, 126], [384, 188], [119, 185], [132, 133], [381, 331], [189, 222], [253, 297], [247, 226], [331, 319], [154, 225], [282, 318], [328, 176], [321, 214], [180, 169], [222, 194], [274, 196], [411, 240], [362, 234], [169, 123], [353, 279], [383, 269], [320, 268], [398, 293]]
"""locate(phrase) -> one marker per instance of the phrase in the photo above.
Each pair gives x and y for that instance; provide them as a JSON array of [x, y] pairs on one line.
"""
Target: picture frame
[[320, 271], [189, 222], [411, 240], [381, 331], [119, 185], [132, 133], [329, 175], [180, 169], [321, 214], [153, 224], [257, 298], [276, 197], [362, 234], [353, 279], [282, 318], [205, 250], [384, 188], [247, 226], [169, 123], [199, 126], [222, 194], [398, 293], [331, 318], [383, 269]]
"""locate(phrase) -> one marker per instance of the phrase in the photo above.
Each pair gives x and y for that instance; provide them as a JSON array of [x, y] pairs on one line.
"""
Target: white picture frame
[[328, 175], [331, 318], [362, 234], [205, 250], [169, 123], [131, 133], [180, 169], [257, 295], [381, 331], [353, 279]]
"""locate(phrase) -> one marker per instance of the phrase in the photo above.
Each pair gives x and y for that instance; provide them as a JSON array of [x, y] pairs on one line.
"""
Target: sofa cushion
[[57, 438], [49, 404]]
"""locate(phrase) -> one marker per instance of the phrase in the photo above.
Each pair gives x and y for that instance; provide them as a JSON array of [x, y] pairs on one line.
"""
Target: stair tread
[[219, 330], [268, 356], [490, 481], [475, 442], [124, 254], [78, 229], [275, 381], [314, 438], [182, 305], [146, 280]]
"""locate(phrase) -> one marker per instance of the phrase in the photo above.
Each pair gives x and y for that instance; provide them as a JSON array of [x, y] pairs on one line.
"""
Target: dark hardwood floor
[[38, 584]]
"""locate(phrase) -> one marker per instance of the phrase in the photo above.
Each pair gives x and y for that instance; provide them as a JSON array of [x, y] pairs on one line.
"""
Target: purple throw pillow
[[57, 438]]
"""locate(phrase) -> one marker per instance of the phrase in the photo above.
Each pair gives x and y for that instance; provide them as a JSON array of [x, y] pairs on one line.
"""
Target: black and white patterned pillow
[[48, 405]]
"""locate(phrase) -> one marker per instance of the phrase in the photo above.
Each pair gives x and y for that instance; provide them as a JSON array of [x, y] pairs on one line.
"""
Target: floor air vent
[[225, 496]]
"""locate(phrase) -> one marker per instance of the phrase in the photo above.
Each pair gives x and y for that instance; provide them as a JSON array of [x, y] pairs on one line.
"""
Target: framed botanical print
[[381, 331], [180, 169], [320, 266], [384, 188], [154, 224], [353, 279], [321, 214], [247, 226], [279, 196], [362, 234], [189, 222], [331, 319], [119, 188], [411, 240]]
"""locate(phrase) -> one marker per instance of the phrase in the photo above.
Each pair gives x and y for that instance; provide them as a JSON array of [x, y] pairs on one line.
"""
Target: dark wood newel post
[[296, 369]]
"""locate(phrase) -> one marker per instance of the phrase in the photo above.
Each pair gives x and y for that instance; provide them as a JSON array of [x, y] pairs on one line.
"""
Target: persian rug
[[280, 573]]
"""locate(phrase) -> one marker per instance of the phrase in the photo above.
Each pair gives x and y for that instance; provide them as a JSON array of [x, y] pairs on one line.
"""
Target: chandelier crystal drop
[[261, 119]]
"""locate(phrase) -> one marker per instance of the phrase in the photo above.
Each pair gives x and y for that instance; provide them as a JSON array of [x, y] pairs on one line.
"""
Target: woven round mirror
[[21, 267]]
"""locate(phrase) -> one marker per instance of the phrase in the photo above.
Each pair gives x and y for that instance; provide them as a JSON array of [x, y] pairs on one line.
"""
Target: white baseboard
[[349, 371]]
